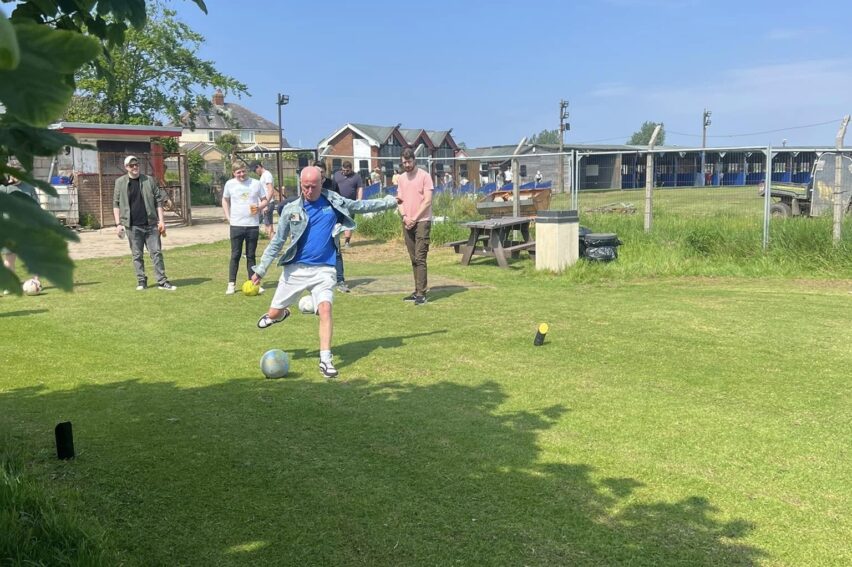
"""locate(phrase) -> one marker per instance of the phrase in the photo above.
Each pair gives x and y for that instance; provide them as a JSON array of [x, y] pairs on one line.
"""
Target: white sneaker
[[327, 369], [231, 289], [260, 290]]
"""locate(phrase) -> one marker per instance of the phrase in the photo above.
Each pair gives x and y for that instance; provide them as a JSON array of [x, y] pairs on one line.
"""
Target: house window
[[463, 169], [213, 135], [336, 164], [246, 136], [364, 168]]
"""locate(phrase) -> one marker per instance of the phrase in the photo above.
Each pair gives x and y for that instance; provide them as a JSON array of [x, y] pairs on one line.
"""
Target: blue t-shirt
[[316, 246]]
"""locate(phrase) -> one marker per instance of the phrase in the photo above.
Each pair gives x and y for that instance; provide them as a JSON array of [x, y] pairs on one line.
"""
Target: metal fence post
[[767, 196], [837, 229], [649, 179]]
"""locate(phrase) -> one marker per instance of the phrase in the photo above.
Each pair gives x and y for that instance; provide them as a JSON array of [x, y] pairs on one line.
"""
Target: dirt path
[[208, 226]]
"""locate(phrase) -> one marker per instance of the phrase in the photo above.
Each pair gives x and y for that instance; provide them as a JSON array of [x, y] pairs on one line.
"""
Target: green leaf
[[10, 55], [40, 88], [201, 4], [25, 142], [37, 238]]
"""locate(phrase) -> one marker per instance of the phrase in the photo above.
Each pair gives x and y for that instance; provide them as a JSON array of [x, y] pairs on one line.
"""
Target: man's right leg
[[409, 236], [136, 238]]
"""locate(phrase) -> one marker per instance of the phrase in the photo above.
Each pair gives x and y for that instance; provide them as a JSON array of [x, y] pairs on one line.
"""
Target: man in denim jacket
[[312, 223]]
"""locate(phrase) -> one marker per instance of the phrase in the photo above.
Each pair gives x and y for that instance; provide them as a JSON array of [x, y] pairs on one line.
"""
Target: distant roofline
[[126, 129]]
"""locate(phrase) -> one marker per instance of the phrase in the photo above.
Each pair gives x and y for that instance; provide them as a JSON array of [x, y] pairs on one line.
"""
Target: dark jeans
[[339, 265], [240, 234], [417, 243], [139, 238]]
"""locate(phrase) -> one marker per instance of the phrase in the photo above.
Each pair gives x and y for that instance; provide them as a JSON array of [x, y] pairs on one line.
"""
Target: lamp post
[[563, 126], [282, 100], [705, 121]]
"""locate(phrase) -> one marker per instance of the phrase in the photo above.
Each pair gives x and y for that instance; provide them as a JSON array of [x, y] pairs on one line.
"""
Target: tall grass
[[37, 528], [720, 243]]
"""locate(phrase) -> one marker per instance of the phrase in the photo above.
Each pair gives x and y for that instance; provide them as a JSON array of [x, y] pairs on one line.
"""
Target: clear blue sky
[[494, 71]]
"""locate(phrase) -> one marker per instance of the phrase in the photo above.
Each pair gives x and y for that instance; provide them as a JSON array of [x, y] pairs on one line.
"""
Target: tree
[[155, 73], [42, 45], [642, 137], [545, 137]]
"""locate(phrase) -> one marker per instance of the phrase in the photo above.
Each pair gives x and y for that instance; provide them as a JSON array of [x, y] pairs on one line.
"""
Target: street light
[[282, 100], [705, 122]]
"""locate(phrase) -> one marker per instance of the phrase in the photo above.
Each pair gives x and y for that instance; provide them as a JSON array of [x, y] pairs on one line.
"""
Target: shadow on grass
[[304, 472], [189, 281], [23, 312], [347, 353]]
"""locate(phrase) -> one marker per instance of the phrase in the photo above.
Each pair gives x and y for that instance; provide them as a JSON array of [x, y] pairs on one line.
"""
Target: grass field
[[686, 409]]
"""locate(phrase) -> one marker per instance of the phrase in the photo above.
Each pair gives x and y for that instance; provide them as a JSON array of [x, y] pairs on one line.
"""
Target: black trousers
[[240, 234]]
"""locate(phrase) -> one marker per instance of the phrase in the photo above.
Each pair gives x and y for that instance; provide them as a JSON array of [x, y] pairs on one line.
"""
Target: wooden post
[[649, 179], [186, 188], [516, 177], [836, 232]]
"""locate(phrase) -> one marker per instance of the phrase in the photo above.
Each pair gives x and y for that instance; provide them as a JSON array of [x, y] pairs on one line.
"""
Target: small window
[[246, 137], [213, 135], [336, 164]]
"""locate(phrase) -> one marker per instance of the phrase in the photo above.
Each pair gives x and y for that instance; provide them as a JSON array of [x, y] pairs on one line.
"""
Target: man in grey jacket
[[311, 222], [137, 203]]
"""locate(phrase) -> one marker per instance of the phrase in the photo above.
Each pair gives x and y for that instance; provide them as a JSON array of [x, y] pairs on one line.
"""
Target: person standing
[[415, 190], [311, 223], [137, 206], [242, 198], [538, 178], [328, 185], [268, 185], [349, 185]]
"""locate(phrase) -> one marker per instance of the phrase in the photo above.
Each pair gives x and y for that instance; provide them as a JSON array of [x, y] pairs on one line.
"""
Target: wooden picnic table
[[493, 237]]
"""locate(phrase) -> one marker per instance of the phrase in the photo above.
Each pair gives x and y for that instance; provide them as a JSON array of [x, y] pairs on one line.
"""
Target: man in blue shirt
[[311, 222]]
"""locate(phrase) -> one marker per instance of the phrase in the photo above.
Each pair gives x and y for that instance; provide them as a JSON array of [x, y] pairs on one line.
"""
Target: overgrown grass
[[39, 526]]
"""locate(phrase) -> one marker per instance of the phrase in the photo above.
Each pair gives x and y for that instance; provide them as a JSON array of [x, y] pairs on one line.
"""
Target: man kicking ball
[[311, 222]]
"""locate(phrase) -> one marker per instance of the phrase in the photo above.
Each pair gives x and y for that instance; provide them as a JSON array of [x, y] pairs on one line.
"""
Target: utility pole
[[563, 126], [837, 225], [649, 179], [705, 122]]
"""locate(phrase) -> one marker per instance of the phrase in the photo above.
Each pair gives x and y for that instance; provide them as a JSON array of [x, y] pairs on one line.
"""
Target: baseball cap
[[253, 165], [129, 159]]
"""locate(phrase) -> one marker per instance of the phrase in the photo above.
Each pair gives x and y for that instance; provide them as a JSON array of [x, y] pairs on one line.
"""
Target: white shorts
[[296, 278]]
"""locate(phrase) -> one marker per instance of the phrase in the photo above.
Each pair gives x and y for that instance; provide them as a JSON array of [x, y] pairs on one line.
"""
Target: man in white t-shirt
[[268, 185], [242, 199]]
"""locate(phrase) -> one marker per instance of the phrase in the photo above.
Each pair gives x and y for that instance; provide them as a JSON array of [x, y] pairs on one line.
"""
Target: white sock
[[325, 356]]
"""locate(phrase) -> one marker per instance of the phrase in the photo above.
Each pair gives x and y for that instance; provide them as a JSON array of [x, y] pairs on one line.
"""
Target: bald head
[[311, 179]]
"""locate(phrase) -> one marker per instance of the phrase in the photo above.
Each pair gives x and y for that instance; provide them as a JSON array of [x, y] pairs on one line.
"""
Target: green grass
[[666, 421]]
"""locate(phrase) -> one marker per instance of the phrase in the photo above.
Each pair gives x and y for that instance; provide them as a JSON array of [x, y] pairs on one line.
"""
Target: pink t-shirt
[[413, 190]]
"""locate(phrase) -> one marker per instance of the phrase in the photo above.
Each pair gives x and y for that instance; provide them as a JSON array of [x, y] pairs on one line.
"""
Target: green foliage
[[40, 528], [169, 145], [643, 136], [88, 220], [228, 143], [155, 72], [545, 137], [43, 44]]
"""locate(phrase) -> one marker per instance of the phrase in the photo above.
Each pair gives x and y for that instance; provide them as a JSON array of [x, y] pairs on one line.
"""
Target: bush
[[88, 220]]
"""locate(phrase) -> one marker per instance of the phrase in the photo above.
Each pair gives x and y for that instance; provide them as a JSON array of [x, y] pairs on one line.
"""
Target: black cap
[[254, 165]]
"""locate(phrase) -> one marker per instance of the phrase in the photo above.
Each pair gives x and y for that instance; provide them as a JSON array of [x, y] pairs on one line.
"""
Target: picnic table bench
[[492, 237]]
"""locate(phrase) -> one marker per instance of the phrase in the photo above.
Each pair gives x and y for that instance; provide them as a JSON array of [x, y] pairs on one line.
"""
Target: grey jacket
[[151, 194], [293, 220]]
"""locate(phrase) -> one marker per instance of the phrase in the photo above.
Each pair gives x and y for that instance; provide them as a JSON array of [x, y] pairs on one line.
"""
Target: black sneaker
[[420, 300], [327, 369], [166, 286], [266, 321], [411, 297]]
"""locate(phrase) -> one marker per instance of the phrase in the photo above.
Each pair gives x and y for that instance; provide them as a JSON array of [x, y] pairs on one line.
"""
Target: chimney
[[219, 98]]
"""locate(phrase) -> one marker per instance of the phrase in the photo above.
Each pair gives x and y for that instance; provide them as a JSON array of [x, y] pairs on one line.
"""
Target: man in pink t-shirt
[[415, 190]]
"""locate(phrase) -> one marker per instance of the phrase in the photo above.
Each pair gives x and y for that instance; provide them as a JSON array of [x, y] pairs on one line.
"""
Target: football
[[250, 288], [306, 305], [275, 363], [31, 287]]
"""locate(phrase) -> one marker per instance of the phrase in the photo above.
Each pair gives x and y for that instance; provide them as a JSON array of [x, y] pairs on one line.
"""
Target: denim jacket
[[293, 220]]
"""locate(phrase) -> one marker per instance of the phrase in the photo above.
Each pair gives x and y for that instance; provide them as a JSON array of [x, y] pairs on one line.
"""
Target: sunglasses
[[134, 164]]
